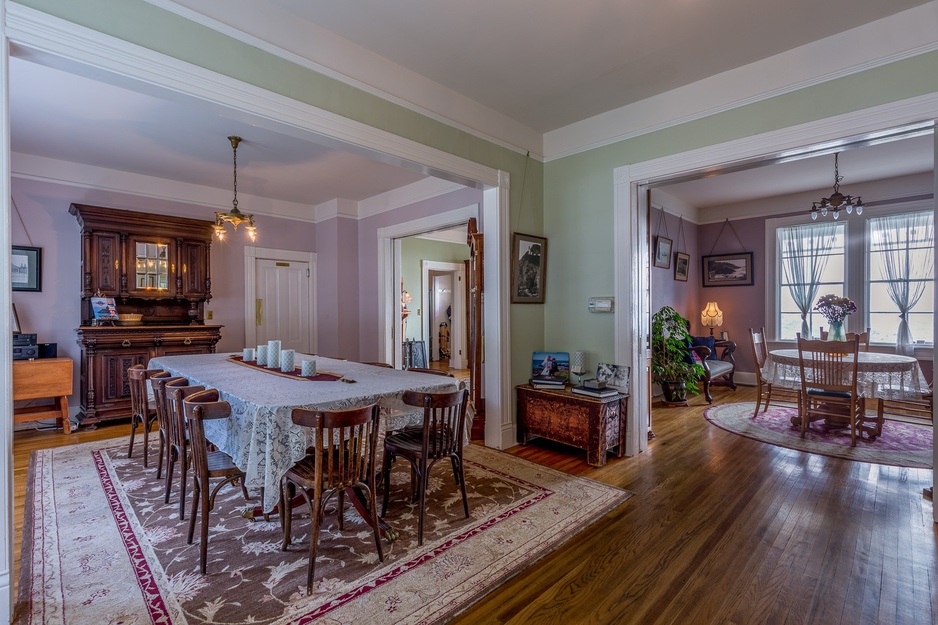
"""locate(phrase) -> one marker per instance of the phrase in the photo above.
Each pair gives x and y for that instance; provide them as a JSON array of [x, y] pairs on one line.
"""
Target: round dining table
[[880, 376]]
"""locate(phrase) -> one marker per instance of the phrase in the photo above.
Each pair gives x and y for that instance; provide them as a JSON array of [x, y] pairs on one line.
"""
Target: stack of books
[[548, 382], [595, 392]]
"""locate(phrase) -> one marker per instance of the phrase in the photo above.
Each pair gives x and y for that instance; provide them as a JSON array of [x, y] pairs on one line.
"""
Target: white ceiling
[[544, 63]]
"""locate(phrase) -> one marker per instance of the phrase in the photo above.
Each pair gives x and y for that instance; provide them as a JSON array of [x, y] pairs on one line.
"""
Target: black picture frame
[[681, 266], [663, 252], [26, 267], [528, 268], [727, 270]]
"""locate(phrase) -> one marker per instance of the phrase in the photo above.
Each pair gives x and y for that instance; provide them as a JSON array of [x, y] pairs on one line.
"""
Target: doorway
[[280, 298]]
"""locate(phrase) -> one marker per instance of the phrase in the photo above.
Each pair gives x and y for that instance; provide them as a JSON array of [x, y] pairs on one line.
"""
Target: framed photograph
[[616, 376], [550, 366], [727, 270], [104, 308], [681, 265], [724, 336], [27, 268], [15, 321], [663, 252], [528, 268]]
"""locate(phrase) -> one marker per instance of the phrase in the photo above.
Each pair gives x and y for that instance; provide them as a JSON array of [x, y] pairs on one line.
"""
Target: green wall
[[413, 252]]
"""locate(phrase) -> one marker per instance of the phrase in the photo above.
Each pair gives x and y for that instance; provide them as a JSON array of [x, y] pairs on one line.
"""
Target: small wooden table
[[597, 425], [39, 379]]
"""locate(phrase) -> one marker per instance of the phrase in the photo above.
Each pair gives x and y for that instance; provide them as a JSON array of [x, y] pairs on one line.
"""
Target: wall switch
[[209, 314]]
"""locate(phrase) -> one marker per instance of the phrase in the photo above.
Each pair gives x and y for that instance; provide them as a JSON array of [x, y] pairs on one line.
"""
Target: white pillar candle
[[308, 368], [286, 360], [248, 354], [273, 354], [262, 355]]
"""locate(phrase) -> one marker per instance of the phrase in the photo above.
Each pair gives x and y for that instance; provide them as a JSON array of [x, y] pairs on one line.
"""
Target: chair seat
[[719, 367], [410, 439], [817, 392], [220, 464]]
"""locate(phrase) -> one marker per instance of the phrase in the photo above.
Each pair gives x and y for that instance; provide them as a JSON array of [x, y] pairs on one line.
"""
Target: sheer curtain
[[805, 252], [907, 243]]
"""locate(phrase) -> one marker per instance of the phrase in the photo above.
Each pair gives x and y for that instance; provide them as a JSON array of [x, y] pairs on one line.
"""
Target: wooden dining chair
[[863, 337], [431, 371], [207, 465], [765, 389], [829, 384], [907, 408], [158, 384], [341, 461], [176, 392], [441, 437], [142, 408]]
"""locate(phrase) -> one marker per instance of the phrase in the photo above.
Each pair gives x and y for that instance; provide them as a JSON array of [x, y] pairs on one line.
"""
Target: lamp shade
[[711, 316]]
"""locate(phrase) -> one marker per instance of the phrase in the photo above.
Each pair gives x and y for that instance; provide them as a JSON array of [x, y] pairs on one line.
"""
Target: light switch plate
[[602, 304]]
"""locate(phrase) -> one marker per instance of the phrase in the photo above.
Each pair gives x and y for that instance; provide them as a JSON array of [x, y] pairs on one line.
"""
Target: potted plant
[[670, 341]]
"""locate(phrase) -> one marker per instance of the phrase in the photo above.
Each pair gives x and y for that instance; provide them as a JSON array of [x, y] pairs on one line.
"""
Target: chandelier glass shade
[[837, 200], [234, 217]]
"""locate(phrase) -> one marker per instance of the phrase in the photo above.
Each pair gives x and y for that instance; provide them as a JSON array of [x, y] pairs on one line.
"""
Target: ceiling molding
[[81, 48], [900, 36], [457, 237], [477, 119], [419, 191]]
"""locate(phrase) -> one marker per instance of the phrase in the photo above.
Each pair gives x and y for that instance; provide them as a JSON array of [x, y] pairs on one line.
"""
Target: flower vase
[[837, 331]]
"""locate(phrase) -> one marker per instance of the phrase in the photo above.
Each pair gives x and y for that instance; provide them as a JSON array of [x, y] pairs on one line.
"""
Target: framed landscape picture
[[681, 265], [528, 268], [27, 268], [663, 252], [727, 270]]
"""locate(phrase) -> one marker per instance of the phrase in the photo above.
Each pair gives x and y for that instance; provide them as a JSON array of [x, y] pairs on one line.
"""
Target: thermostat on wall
[[602, 304]]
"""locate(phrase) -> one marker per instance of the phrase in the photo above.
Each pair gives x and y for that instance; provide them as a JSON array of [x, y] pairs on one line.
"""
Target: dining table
[[260, 435]]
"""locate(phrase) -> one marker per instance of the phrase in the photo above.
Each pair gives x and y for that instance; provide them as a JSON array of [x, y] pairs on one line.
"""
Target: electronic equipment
[[24, 347], [48, 350], [24, 340]]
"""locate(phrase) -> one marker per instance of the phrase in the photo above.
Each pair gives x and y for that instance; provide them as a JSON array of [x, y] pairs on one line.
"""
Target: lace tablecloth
[[260, 436], [883, 376]]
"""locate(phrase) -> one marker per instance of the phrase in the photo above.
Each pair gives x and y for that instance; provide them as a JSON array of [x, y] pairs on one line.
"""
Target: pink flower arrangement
[[835, 309]]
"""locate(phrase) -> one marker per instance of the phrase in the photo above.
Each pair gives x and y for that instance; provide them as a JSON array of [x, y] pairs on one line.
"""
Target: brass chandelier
[[234, 217], [837, 200]]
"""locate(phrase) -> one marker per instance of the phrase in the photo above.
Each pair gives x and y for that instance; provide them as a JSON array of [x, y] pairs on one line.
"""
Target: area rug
[[901, 444], [100, 546]]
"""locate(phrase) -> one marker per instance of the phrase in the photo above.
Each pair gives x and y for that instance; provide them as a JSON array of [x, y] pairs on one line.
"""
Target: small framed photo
[[663, 252], [727, 270], [616, 376], [27, 268], [681, 265], [724, 335], [104, 308], [528, 268]]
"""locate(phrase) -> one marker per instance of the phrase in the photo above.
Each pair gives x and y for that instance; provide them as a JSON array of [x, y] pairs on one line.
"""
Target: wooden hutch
[[153, 265]]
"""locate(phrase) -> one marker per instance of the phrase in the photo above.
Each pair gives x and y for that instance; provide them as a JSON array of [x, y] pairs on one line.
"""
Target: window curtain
[[805, 253], [904, 269]]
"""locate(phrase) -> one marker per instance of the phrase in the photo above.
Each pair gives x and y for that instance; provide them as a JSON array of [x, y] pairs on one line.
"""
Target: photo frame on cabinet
[[528, 268], [681, 266], [663, 252], [15, 321], [27, 268], [727, 270]]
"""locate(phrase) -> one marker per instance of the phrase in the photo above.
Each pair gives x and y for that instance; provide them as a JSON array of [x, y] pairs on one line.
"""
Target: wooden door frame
[[457, 358], [251, 255]]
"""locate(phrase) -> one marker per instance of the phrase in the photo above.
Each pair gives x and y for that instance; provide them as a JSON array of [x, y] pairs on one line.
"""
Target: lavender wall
[[337, 287], [684, 297]]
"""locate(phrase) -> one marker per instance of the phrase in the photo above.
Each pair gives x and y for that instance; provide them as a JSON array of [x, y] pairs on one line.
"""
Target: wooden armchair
[[718, 371], [767, 389]]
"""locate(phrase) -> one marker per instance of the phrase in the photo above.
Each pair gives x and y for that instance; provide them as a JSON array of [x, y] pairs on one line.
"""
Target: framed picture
[[727, 269], [27, 268], [663, 252], [681, 264], [616, 376], [528, 268], [104, 308], [550, 366], [15, 321], [724, 336]]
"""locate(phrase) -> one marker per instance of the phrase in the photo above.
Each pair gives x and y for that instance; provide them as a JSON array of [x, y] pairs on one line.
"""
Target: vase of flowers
[[835, 309]]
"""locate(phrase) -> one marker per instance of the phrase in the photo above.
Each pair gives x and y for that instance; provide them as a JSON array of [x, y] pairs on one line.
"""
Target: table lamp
[[711, 316]]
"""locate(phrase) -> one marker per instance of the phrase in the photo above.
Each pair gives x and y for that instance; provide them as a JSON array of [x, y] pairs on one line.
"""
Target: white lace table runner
[[886, 376], [260, 436]]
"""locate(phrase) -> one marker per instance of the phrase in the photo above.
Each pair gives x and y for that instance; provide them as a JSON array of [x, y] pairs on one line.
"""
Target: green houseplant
[[669, 349]]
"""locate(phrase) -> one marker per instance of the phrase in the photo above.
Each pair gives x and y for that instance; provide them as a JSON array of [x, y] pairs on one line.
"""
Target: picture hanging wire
[[524, 177], [658, 229], [725, 224], [680, 234], [22, 223]]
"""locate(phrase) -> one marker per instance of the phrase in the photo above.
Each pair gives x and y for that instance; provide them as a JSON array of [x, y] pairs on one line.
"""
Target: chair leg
[[183, 466], [133, 432], [159, 459], [386, 478], [759, 392], [461, 478], [423, 478], [316, 518], [286, 512], [146, 440], [203, 548], [196, 493], [171, 457], [373, 519], [340, 513]]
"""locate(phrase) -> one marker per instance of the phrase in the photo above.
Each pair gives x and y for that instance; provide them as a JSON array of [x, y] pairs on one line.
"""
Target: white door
[[282, 303]]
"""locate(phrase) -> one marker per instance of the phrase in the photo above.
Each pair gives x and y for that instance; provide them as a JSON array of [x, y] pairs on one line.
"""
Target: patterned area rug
[[100, 546], [901, 444]]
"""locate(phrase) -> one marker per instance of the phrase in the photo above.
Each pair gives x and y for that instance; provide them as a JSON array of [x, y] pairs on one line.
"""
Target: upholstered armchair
[[718, 368]]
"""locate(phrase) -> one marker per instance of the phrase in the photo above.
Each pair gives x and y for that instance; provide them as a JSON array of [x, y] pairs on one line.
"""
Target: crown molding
[[419, 191], [900, 36]]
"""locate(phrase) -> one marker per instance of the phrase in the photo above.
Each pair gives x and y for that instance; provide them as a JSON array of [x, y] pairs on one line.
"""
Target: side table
[[44, 378]]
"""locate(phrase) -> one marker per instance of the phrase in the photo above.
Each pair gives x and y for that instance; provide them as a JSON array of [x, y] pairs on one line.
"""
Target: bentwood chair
[[158, 384], [441, 437], [829, 384], [143, 410], [340, 461], [207, 465], [176, 393], [766, 389]]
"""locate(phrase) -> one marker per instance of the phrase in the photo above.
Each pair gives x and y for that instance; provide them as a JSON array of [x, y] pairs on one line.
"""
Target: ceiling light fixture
[[235, 217], [837, 200]]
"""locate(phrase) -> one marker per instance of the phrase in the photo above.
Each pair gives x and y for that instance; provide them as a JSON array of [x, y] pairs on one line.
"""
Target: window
[[883, 261]]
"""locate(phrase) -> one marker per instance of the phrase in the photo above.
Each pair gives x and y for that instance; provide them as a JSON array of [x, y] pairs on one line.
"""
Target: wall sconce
[[711, 316]]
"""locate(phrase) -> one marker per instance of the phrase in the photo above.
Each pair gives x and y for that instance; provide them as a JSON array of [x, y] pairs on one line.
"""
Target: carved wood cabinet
[[156, 266]]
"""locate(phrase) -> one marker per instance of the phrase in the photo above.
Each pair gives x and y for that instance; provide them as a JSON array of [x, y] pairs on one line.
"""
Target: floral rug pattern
[[901, 444], [100, 546]]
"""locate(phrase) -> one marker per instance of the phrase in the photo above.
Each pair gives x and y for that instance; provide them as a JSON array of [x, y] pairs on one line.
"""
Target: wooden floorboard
[[721, 530]]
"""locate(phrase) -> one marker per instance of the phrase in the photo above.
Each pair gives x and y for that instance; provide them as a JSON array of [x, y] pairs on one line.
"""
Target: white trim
[[500, 428], [251, 255], [6, 341], [900, 36], [457, 358], [419, 191]]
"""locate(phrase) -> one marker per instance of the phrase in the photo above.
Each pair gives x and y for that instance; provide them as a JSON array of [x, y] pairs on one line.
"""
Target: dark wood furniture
[[156, 266], [143, 410], [46, 378], [597, 425], [766, 389], [718, 371], [179, 447]]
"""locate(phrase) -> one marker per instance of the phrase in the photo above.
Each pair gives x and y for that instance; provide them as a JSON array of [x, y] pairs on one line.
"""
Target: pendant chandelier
[[234, 217], [837, 200]]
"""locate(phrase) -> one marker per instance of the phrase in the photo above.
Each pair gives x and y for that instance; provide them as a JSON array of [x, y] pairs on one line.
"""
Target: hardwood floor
[[722, 529]]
